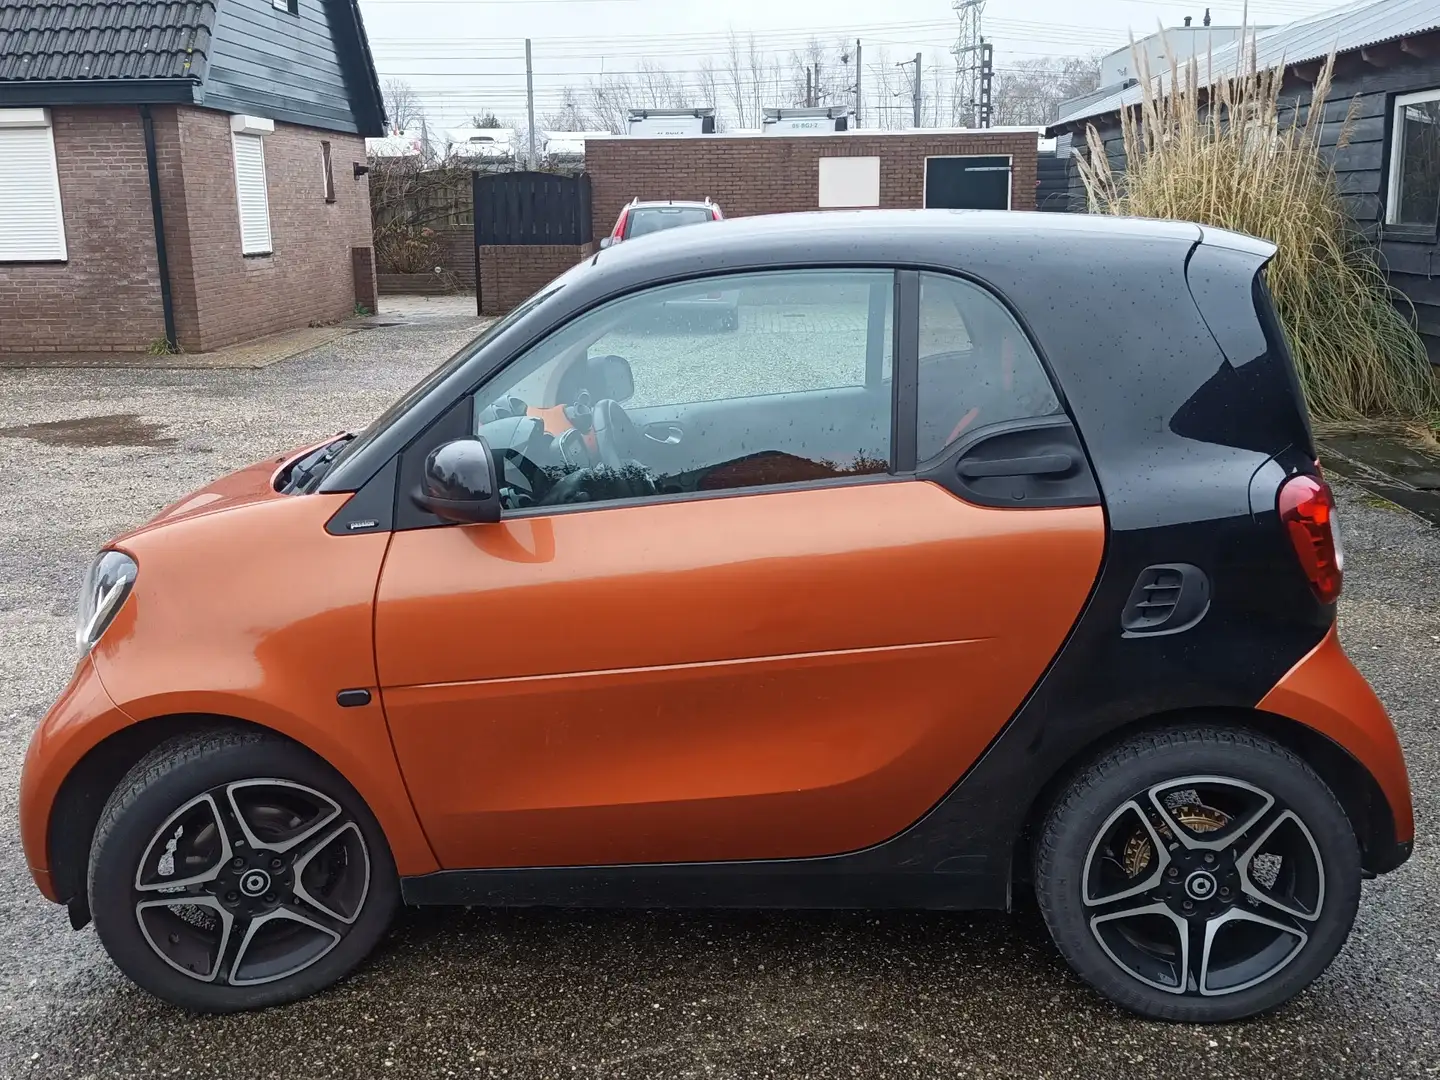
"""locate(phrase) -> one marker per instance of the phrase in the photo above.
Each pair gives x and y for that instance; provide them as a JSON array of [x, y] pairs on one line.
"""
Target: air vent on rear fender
[[1167, 598]]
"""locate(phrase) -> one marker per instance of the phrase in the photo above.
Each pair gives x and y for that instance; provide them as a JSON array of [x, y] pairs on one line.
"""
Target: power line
[[721, 35]]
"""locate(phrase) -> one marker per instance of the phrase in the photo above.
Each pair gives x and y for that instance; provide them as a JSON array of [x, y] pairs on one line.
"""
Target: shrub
[[1233, 155]]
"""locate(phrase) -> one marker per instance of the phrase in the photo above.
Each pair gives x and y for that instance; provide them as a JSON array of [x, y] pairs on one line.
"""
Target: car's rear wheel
[[1198, 874], [232, 870]]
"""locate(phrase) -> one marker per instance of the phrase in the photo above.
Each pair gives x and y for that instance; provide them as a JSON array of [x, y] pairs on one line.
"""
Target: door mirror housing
[[460, 483], [605, 242]]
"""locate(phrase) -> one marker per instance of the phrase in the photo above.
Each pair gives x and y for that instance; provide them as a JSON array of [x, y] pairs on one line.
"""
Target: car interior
[[569, 427]]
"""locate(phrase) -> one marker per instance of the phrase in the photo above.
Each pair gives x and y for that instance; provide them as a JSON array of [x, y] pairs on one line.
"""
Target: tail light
[[1307, 510]]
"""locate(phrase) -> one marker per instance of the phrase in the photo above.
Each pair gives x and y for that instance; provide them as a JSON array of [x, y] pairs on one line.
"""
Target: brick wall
[[775, 174], [309, 277], [106, 297], [509, 274]]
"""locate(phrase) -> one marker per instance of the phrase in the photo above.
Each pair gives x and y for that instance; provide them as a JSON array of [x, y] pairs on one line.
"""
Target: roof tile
[[104, 39]]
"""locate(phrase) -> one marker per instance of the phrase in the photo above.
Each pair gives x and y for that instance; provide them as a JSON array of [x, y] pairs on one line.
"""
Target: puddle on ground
[[115, 429]]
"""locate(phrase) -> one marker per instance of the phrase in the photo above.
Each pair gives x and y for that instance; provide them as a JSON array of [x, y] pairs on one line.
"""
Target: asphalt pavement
[[454, 993]]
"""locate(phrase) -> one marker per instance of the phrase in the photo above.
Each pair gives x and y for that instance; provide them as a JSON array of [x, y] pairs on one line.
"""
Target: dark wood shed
[[1387, 69]]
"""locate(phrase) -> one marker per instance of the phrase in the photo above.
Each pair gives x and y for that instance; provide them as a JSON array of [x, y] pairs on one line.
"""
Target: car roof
[[646, 204], [874, 234]]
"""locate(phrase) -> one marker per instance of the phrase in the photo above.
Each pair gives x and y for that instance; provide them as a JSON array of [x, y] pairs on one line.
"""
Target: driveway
[[456, 993]]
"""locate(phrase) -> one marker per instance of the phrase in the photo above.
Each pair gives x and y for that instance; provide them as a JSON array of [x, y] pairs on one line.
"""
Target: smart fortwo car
[[990, 553]]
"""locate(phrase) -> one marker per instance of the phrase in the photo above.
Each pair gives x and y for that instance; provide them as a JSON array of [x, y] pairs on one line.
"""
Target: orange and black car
[[985, 552]]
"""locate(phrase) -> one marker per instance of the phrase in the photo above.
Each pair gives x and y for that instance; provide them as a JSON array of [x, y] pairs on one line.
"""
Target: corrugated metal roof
[[1342, 30], [42, 40]]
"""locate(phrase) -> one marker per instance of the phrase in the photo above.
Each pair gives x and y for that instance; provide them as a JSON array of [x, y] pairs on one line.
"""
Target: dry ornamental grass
[[1234, 155]]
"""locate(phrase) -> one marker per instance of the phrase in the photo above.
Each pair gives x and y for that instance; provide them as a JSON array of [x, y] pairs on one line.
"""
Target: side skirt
[[829, 883]]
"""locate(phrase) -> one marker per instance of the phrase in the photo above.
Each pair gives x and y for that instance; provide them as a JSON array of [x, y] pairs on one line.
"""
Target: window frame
[[269, 249], [904, 372], [291, 7], [1396, 161], [328, 171], [12, 120], [981, 431]]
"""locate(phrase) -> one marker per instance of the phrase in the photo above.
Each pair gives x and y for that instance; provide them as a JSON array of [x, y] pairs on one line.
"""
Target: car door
[[779, 642]]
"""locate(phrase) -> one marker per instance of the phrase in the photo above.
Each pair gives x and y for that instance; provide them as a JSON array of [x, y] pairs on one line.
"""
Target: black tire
[[1084, 891], [348, 919]]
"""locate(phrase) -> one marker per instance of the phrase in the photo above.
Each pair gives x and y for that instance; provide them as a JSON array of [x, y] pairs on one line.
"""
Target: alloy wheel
[[251, 882], [1203, 885]]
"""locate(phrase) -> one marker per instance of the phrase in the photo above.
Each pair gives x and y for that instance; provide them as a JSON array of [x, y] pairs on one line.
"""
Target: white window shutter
[[250, 190], [31, 226]]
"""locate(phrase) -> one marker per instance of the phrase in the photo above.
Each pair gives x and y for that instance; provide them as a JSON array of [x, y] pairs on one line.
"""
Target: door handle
[[672, 433], [1039, 465]]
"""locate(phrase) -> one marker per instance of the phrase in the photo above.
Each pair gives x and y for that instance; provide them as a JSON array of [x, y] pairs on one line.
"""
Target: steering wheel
[[616, 437], [616, 440]]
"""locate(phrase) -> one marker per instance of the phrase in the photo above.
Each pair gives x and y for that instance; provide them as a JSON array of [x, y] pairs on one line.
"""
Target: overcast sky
[[462, 56]]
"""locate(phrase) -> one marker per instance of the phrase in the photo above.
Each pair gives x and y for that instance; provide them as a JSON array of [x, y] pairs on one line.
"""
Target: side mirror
[[606, 242], [460, 483]]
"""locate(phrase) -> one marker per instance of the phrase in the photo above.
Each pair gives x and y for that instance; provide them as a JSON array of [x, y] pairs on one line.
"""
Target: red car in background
[[640, 218], [658, 215]]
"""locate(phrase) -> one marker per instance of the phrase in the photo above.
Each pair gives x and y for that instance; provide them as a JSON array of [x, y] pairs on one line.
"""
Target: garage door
[[968, 183]]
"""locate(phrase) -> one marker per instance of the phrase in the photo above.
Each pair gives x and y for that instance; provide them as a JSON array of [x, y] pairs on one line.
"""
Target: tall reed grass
[[1231, 153]]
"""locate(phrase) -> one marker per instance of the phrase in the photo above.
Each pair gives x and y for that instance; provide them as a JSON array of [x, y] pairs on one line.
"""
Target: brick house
[[181, 171]]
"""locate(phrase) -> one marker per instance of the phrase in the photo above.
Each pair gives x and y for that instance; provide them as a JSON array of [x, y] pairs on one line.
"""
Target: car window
[[737, 381], [653, 219], [976, 365]]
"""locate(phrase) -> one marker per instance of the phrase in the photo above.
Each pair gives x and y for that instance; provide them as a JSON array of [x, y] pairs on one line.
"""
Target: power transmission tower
[[987, 82], [969, 61]]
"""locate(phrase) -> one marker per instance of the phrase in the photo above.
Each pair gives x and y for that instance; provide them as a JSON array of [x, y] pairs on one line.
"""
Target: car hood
[[244, 487]]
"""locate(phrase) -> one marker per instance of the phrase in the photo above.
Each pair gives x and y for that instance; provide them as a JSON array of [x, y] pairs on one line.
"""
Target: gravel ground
[[536, 994]]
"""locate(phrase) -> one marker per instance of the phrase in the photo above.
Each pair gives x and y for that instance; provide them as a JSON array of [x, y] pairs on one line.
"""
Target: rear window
[[652, 219], [976, 365]]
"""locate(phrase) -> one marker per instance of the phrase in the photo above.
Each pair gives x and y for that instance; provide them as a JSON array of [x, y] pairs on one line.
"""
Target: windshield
[[429, 382], [653, 219]]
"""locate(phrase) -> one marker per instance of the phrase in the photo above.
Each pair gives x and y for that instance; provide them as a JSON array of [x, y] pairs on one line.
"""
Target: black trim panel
[[795, 884], [99, 92], [904, 419], [369, 510]]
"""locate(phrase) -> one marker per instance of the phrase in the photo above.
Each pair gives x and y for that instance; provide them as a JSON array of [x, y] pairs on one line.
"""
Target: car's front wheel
[[232, 870], [1198, 874]]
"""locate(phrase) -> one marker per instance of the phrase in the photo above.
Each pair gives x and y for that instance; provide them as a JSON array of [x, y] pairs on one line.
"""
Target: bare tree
[[887, 109], [570, 116], [660, 89], [708, 86], [735, 78], [402, 106], [611, 99], [757, 75], [938, 104], [1029, 92]]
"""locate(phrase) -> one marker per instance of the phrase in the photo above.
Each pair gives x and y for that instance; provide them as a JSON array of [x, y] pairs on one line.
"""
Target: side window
[[740, 381], [976, 365]]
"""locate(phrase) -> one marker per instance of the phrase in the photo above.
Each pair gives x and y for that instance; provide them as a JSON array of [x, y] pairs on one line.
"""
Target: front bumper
[[83, 715]]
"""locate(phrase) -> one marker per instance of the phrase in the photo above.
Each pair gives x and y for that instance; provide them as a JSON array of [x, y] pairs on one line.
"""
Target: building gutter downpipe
[[167, 301]]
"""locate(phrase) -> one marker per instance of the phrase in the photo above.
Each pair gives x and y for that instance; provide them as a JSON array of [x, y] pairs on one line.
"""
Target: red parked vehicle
[[640, 218]]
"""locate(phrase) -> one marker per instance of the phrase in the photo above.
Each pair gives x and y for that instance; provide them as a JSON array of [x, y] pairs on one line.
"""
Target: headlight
[[107, 583]]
